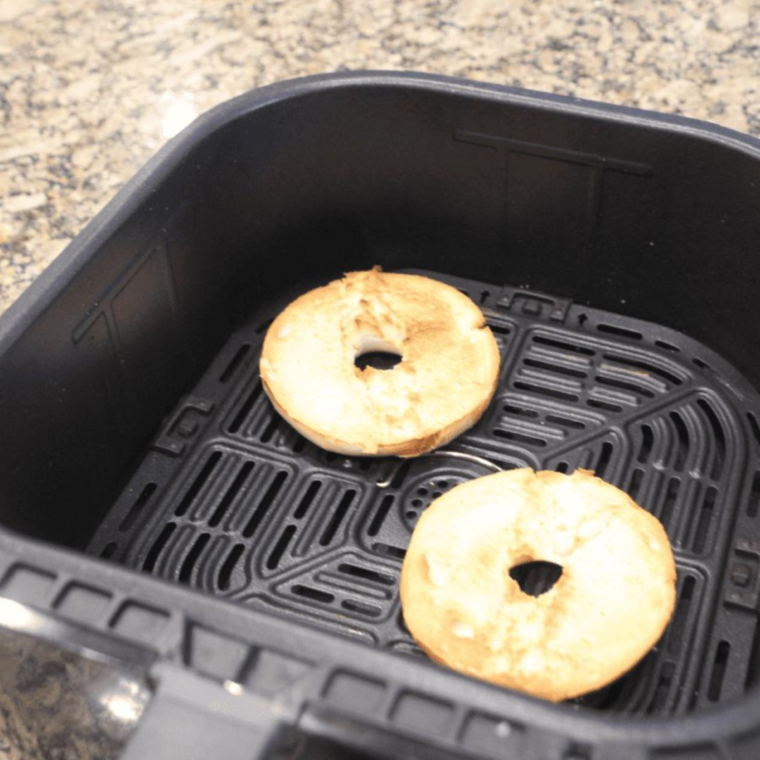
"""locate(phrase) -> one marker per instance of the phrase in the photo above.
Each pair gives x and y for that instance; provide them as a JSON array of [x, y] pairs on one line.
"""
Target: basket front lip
[[717, 724]]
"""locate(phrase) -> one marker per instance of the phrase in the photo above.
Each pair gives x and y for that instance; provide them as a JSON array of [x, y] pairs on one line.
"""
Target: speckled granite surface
[[56, 705], [89, 89]]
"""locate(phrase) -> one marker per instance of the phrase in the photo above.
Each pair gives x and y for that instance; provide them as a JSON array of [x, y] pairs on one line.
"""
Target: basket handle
[[192, 718]]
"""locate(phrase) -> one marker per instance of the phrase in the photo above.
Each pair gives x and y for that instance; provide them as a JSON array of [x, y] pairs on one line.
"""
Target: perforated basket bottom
[[232, 501]]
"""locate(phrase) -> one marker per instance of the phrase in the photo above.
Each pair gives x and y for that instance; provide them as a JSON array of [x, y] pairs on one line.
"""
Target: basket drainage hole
[[376, 353], [536, 577]]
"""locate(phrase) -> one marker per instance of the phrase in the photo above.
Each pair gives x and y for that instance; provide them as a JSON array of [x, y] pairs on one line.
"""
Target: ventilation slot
[[566, 422], [754, 427], [389, 551], [499, 329], [719, 671], [613, 382], [366, 574], [678, 626], [604, 459], [484, 296], [663, 687], [683, 441], [271, 428], [671, 494], [400, 475], [562, 467], [621, 331], [246, 408], [519, 411], [647, 441], [667, 346], [280, 547], [264, 504], [753, 669], [635, 484], [380, 515], [137, 507], [337, 518], [300, 444], [230, 494], [548, 392], [705, 518], [754, 496], [307, 592], [108, 550], [719, 439], [605, 406], [225, 574], [198, 483], [646, 367], [528, 440], [308, 498], [193, 555], [157, 548], [236, 361], [368, 610], [548, 367], [554, 343]]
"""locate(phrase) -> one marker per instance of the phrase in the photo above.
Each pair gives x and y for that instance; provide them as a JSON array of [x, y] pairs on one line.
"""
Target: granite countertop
[[89, 89], [57, 705]]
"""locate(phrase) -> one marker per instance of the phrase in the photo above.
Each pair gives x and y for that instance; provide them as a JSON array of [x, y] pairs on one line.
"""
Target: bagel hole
[[376, 353], [536, 577], [377, 360]]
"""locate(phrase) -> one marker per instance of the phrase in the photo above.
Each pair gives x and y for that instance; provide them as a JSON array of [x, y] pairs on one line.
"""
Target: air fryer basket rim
[[727, 720]]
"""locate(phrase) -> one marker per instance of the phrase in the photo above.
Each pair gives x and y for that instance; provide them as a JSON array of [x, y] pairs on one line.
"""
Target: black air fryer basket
[[156, 510]]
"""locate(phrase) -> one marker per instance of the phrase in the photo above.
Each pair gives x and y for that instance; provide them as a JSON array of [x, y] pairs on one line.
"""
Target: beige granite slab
[[89, 89], [58, 705]]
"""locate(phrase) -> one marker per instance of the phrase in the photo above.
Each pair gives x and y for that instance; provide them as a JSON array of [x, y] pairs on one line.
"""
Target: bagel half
[[446, 377], [611, 604]]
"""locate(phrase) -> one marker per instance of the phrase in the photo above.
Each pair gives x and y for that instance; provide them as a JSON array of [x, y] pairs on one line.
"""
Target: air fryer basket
[[613, 253]]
